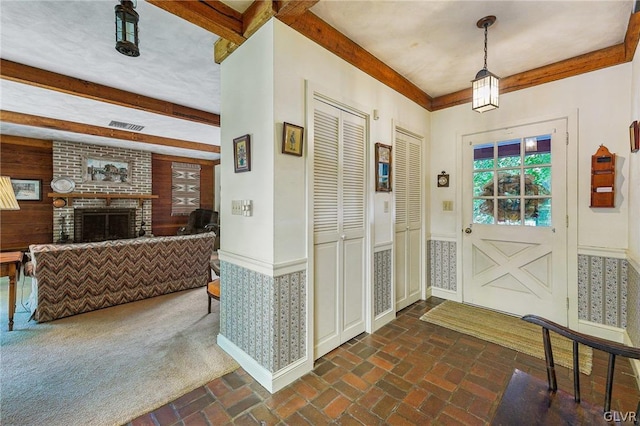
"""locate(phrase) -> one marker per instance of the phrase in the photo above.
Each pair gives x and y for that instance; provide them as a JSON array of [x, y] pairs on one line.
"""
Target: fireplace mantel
[[108, 197]]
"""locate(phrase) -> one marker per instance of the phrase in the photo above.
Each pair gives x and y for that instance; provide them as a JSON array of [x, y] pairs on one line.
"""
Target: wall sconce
[[7, 196], [127, 28], [486, 86]]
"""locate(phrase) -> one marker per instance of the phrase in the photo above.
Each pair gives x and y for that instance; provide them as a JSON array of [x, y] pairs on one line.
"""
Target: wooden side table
[[10, 266]]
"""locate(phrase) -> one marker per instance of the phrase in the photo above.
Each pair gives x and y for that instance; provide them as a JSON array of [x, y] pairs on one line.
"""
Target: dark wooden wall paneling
[[163, 222], [23, 158]]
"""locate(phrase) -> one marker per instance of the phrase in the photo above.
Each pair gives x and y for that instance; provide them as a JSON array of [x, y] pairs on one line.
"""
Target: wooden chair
[[213, 291]]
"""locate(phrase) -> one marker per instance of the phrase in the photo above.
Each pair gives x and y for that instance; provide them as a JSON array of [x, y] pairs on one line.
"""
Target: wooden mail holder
[[603, 178]]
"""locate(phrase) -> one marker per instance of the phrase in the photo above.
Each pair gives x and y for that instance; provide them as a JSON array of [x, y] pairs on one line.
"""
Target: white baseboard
[[602, 331], [444, 294], [635, 363], [383, 319], [272, 382], [427, 293]]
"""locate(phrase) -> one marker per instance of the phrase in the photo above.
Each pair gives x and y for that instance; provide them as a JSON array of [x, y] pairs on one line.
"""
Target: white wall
[[298, 59], [601, 99], [247, 108]]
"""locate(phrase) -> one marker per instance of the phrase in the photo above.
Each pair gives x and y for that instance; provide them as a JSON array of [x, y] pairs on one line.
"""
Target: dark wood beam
[[88, 129], [315, 29], [200, 161], [32, 76], [213, 16], [24, 141], [632, 36], [289, 10], [588, 62], [256, 16]]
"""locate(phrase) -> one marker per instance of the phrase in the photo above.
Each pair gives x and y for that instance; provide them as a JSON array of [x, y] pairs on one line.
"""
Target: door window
[[512, 182]]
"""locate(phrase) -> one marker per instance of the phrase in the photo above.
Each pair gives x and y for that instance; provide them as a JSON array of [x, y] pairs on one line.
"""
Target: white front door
[[515, 220]]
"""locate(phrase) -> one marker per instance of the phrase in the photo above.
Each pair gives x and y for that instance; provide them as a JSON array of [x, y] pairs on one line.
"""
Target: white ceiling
[[435, 44]]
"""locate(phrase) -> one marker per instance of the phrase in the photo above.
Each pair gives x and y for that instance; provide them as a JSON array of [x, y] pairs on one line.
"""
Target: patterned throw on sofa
[[75, 278]]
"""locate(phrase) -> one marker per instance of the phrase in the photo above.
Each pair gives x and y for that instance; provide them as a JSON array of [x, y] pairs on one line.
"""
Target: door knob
[[467, 230]]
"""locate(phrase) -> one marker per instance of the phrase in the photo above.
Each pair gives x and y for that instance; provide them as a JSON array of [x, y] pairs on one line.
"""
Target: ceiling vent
[[126, 126]]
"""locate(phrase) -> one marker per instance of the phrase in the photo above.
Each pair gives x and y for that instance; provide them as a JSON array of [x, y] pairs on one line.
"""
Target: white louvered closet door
[[339, 226], [408, 226]]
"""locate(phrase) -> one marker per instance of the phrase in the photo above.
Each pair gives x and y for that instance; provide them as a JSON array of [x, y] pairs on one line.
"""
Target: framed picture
[[292, 139], [105, 170], [242, 154], [634, 136], [27, 189], [383, 168]]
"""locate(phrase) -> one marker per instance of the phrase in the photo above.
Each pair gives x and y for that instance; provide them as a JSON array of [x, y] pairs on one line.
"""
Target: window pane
[[483, 211], [509, 211], [509, 153], [483, 157], [483, 184], [537, 150], [509, 182], [537, 181], [538, 212]]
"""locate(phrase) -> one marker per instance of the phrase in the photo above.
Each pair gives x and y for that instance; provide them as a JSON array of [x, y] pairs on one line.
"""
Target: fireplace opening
[[92, 225]]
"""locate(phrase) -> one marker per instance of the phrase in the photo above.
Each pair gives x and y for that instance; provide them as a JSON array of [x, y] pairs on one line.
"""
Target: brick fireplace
[[68, 161]]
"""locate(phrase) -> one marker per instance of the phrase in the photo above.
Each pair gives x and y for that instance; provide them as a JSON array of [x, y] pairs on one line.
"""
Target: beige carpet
[[504, 330], [110, 366]]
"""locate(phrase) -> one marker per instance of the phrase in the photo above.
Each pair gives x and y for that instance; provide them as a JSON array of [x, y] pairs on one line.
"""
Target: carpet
[[109, 366], [504, 330]]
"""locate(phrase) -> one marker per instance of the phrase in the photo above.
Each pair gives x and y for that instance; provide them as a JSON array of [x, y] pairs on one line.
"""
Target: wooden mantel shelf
[[108, 197]]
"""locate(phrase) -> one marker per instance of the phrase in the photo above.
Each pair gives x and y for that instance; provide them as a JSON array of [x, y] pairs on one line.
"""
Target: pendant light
[[486, 86], [127, 28]]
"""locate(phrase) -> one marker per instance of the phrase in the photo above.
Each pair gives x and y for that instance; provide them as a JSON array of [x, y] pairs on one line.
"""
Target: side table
[[10, 262]]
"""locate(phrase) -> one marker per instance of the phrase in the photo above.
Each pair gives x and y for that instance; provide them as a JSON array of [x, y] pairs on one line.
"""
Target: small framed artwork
[[27, 189], [634, 136], [383, 168], [292, 139], [106, 171], [242, 154]]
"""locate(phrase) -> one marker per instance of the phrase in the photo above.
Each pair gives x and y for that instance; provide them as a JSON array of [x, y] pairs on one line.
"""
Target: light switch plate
[[236, 207], [447, 206]]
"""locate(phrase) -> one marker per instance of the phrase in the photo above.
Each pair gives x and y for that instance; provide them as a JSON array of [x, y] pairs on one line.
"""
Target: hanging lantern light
[[486, 86], [127, 28]]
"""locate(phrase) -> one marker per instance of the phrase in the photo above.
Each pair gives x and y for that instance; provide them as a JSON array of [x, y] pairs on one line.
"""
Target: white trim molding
[[635, 363], [601, 330], [603, 252], [272, 382], [445, 294], [263, 267]]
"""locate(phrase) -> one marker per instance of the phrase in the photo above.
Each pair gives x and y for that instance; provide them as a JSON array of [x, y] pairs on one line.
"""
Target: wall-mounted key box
[[603, 178]]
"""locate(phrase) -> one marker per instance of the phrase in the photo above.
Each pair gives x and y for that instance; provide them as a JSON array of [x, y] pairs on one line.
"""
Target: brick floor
[[407, 373]]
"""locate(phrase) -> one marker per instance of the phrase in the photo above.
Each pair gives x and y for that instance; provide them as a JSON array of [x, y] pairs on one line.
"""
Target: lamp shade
[[7, 196], [127, 29], [486, 91]]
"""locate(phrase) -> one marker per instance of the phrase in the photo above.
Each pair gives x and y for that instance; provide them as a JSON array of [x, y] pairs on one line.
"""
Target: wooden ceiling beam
[[88, 129], [632, 36], [289, 10], [317, 30], [213, 16], [588, 62], [32, 76]]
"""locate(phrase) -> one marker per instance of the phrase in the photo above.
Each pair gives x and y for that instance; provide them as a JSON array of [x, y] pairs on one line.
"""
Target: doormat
[[507, 331]]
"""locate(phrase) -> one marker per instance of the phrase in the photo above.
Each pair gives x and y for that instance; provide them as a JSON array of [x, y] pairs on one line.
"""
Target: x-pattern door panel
[[514, 210]]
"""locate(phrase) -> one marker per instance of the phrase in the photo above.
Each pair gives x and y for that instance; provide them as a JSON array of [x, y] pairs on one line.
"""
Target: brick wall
[[68, 160]]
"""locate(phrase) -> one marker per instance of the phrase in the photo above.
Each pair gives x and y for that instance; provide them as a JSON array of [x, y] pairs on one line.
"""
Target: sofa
[[71, 279]]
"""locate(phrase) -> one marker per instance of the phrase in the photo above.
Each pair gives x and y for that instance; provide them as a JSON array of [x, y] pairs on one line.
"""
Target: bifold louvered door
[[339, 225], [408, 223]]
